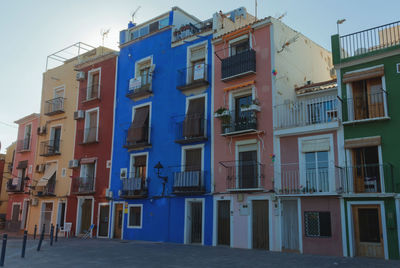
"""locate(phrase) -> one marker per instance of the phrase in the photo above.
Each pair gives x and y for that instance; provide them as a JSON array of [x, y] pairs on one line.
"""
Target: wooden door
[[248, 170], [15, 213], [196, 222], [103, 220], [86, 215], [368, 235], [118, 221], [47, 210], [260, 224], [224, 222], [358, 170], [375, 98], [290, 226]]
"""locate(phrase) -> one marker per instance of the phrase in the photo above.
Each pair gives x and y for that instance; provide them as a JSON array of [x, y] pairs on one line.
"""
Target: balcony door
[[55, 138], [194, 120], [85, 217], [86, 183], [45, 216], [248, 167], [91, 126], [366, 170], [58, 103], [138, 172], [197, 64], [368, 98], [243, 119], [240, 47], [27, 137]]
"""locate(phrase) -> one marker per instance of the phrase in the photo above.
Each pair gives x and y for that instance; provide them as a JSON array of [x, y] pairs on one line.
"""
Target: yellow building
[[56, 139], [7, 174]]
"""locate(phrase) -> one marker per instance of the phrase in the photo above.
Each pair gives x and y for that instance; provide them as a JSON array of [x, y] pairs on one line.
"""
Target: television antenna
[[104, 34], [134, 13]]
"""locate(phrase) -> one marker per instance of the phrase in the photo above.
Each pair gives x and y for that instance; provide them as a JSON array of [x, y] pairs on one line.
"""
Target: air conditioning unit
[[109, 193], [79, 115], [80, 76], [41, 130], [40, 168], [73, 163], [332, 73], [34, 202]]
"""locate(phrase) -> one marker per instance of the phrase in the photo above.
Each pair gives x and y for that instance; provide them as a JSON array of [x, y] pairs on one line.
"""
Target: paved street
[[106, 253]]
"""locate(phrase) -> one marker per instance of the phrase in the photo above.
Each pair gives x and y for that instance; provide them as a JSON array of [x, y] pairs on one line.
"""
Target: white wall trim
[[141, 216], [186, 238], [98, 219]]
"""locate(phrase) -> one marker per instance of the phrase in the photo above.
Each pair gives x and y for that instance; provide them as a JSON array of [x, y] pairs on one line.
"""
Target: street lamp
[[158, 169]]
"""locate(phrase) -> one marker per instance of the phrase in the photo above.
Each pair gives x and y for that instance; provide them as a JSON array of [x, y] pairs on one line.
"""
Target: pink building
[[308, 178], [18, 187]]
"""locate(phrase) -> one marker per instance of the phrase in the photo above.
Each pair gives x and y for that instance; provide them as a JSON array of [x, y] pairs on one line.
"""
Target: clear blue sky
[[31, 30]]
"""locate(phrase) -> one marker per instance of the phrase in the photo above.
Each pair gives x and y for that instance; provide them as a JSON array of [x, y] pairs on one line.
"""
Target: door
[[375, 97], [260, 224], [196, 222], [15, 213], [58, 102], [61, 215], [224, 223], [55, 140], [290, 226], [86, 215], [25, 214], [47, 211], [248, 170], [118, 221], [243, 120], [103, 220], [368, 231]]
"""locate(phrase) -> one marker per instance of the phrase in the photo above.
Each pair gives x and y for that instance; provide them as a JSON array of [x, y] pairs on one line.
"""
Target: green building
[[368, 72]]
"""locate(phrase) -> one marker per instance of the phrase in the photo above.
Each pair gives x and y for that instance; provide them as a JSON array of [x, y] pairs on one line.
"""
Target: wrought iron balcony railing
[[137, 137], [48, 190], [188, 182], [92, 92], [83, 185], [54, 106], [15, 185], [191, 129], [367, 106], [50, 148], [191, 29], [142, 90], [238, 65], [24, 145], [193, 77], [88, 135], [133, 187], [244, 175], [238, 122]]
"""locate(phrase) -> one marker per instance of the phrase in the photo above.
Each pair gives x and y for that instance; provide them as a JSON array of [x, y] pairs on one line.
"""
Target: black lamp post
[[157, 169]]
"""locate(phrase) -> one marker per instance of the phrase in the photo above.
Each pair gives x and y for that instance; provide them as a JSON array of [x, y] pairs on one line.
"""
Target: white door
[[290, 226]]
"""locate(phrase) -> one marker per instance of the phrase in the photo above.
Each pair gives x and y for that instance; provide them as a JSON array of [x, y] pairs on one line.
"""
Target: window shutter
[[197, 53], [317, 145], [137, 131]]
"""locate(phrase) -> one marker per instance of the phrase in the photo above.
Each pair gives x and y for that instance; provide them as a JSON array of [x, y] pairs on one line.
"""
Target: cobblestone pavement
[[112, 253]]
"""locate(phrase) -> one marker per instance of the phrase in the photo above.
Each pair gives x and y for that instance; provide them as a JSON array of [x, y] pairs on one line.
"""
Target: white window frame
[[87, 123], [129, 214], [188, 201], [189, 147], [59, 212], [398, 68], [52, 129], [30, 136], [83, 169], [138, 64], [81, 199], [57, 89], [246, 146], [331, 160], [150, 115], [205, 96], [89, 82], [189, 57], [132, 162], [238, 39], [239, 93]]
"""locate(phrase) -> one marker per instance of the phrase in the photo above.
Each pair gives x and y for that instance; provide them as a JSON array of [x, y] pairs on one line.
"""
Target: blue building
[[160, 183]]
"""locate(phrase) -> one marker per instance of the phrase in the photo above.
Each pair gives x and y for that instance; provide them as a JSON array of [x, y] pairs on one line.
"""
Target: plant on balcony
[[223, 114], [254, 106]]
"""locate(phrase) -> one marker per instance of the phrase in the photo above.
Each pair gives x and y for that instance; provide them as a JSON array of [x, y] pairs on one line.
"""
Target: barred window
[[135, 216], [317, 224]]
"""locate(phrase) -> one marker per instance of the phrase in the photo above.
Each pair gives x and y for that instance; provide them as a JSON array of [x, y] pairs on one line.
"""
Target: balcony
[[88, 135], [366, 42], [50, 148], [92, 92], [237, 123], [15, 185], [83, 185], [238, 65], [191, 129], [139, 89], [134, 187], [306, 112], [24, 145], [54, 106], [188, 182], [317, 181], [244, 176], [192, 77], [137, 138], [191, 29], [48, 190], [371, 178], [366, 107]]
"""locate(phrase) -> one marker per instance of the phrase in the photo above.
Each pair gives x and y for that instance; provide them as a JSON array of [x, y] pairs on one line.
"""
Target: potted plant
[[254, 106], [223, 114]]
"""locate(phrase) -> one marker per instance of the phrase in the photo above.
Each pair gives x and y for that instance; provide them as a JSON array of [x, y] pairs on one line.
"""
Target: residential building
[[256, 66], [88, 203], [18, 186], [2, 167], [368, 69], [6, 176], [160, 179], [56, 138]]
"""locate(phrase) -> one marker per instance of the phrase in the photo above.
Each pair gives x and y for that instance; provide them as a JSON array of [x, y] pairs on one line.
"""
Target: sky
[[30, 30]]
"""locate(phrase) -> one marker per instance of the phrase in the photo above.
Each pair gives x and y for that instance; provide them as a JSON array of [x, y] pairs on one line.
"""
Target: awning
[[50, 170], [22, 164], [137, 129], [245, 84], [362, 142], [90, 160], [361, 75]]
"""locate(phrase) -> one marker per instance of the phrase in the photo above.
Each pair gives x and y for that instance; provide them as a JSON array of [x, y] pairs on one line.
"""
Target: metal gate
[[224, 223], [103, 220], [196, 222], [260, 224]]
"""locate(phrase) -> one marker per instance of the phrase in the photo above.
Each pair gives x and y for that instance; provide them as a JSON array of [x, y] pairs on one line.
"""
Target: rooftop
[[314, 87]]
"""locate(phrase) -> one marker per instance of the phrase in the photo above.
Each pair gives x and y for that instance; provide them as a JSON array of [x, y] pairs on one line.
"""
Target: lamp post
[[158, 168]]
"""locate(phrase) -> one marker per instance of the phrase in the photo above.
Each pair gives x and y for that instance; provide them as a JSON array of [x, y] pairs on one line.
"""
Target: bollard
[[51, 234], [24, 244], [56, 233], [41, 238], [34, 232], [3, 250]]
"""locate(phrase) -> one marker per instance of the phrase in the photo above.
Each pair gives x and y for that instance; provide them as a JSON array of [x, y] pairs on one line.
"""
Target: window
[[240, 47], [55, 140], [197, 69], [368, 98], [144, 30], [92, 91], [144, 73], [194, 124], [248, 169], [244, 120], [164, 22], [27, 137], [368, 224], [87, 173], [135, 216], [193, 159], [366, 170], [321, 112], [317, 174], [138, 132], [154, 26], [317, 224], [90, 132], [398, 68], [138, 166]]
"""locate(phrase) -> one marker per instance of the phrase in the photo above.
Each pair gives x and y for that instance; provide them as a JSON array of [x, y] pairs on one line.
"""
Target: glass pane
[[144, 30], [164, 23]]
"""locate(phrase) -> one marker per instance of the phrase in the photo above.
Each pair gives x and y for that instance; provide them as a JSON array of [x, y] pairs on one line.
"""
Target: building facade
[[6, 176], [18, 187], [368, 77]]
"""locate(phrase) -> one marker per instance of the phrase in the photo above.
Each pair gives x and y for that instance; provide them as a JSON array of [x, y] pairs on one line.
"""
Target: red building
[[87, 204], [21, 175]]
